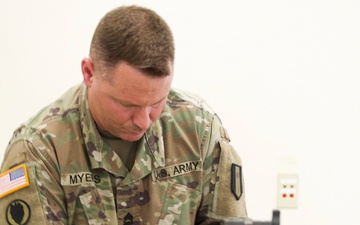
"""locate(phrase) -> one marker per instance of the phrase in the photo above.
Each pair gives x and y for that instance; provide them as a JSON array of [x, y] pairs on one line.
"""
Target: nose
[[141, 118]]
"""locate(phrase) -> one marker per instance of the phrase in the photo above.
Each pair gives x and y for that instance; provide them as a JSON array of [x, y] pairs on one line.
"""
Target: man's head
[[135, 35], [129, 72]]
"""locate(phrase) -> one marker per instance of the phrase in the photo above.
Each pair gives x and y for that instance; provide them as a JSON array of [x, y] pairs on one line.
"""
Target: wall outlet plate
[[287, 190]]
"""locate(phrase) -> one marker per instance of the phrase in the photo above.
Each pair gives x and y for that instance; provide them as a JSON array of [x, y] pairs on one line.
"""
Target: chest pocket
[[98, 207], [180, 205]]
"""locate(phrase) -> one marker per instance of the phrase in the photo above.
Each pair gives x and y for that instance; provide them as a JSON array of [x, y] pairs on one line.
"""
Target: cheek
[[155, 112], [116, 115]]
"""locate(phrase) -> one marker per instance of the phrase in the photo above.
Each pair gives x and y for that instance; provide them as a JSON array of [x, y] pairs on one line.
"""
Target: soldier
[[123, 147]]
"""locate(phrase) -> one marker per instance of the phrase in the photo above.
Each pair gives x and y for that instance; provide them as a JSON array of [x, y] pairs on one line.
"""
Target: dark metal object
[[275, 220]]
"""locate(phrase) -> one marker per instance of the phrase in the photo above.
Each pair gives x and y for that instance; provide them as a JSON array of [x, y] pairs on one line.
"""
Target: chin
[[132, 137]]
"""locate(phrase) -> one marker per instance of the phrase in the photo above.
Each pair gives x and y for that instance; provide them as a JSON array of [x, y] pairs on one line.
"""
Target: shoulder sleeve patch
[[13, 180], [18, 212]]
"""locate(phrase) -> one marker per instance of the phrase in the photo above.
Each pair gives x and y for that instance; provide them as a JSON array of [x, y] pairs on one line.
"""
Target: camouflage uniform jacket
[[185, 171]]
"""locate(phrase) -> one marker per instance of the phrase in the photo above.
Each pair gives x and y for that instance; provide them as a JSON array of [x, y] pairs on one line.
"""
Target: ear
[[87, 69]]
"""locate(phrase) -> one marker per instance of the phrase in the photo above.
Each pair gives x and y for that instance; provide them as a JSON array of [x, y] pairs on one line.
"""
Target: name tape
[[176, 170], [81, 178]]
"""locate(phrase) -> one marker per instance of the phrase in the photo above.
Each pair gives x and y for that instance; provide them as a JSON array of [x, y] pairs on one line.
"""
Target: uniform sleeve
[[223, 180], [39, 203]]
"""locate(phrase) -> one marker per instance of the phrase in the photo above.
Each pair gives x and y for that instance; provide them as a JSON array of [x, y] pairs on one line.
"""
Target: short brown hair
[[135, 35]]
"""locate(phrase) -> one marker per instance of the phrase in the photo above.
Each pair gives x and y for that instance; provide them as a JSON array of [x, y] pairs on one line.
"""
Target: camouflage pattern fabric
[[182, 172]]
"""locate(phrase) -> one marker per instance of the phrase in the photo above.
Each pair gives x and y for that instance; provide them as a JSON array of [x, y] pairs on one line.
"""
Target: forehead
[[133, 86]]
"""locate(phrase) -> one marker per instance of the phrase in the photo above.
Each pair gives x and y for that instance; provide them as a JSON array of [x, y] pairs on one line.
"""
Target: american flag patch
[[13, 180]]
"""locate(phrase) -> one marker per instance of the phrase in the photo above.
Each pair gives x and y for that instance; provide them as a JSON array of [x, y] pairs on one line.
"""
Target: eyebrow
[[128, 104]]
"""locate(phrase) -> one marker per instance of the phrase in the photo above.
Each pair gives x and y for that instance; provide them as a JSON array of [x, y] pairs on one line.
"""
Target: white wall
[[283, 76]]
